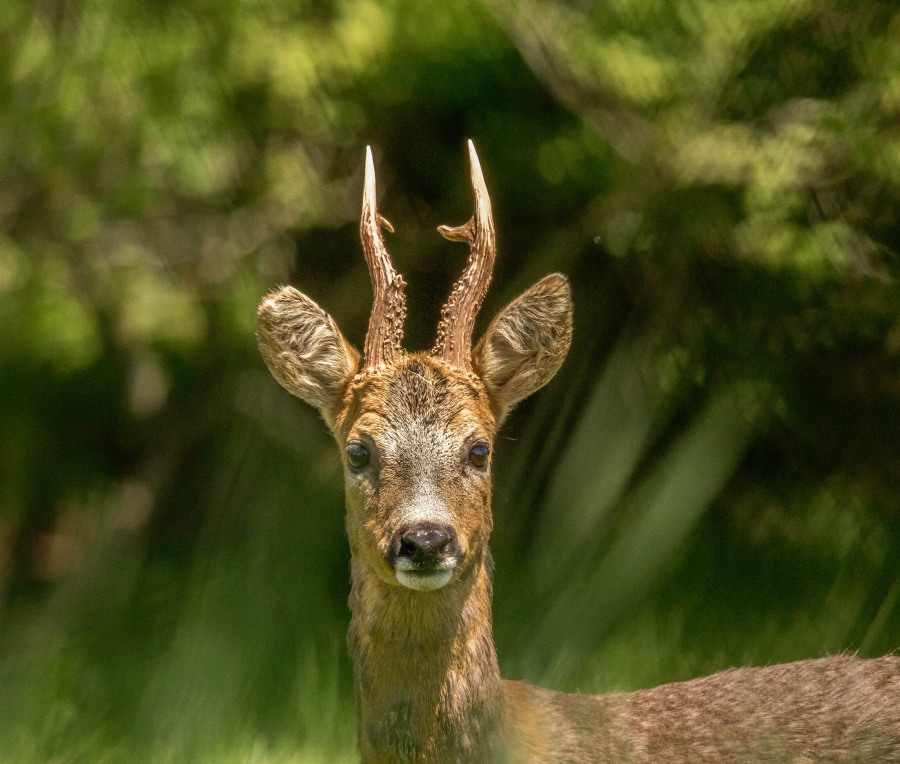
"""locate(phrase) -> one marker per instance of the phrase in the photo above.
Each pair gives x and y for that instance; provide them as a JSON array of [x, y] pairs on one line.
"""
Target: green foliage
[[711, 480]]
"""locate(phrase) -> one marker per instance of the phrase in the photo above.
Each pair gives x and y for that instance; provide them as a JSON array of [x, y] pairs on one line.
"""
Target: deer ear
[[526, 343], [304, 349]]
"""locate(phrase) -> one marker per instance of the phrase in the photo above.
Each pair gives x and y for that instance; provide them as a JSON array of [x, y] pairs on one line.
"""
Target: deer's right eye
[[478, 454], [357, 455]]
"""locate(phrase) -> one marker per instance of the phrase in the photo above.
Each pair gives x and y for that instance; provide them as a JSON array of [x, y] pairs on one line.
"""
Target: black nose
[[425, 543]]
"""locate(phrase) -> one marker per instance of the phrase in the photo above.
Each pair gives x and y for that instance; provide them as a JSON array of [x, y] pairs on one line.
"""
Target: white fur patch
[[423, 582]]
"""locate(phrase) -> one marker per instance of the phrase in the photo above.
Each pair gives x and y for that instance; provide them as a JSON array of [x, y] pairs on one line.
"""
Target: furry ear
[[526, 343], [304, 349]]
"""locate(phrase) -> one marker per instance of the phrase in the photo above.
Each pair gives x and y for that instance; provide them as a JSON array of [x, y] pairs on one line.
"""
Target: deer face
[[416, 431], [417, 438]]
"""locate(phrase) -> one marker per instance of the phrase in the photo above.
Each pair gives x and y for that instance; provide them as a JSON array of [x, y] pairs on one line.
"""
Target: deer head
[[416, 429]]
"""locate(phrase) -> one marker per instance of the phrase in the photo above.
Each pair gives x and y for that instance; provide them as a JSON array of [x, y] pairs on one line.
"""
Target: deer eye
[[478, 454], [357, 455]]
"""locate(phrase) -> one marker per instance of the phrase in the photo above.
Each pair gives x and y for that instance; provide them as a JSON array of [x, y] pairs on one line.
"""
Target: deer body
[[416, 432]]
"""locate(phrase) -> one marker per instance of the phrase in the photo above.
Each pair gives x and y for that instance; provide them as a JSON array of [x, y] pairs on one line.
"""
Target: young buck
[[416, 432]]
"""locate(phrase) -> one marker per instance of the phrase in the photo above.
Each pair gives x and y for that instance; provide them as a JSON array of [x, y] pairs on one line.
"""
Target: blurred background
[[711, 480]]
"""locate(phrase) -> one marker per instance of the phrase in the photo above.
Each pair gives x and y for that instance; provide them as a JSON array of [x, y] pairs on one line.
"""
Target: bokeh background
[[711, 480]]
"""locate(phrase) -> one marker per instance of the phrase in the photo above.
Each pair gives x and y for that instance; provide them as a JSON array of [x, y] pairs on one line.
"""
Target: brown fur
[[428, 687], [836, 709]]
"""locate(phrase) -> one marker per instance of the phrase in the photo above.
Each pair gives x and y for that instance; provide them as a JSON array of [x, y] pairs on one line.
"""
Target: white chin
[[424, 582]]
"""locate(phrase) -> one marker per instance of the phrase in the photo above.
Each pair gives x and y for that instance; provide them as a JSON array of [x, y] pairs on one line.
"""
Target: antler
[[454, 334], [385, 335]]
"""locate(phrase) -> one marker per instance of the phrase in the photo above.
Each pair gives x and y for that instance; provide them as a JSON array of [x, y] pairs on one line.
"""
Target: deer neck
[[428, 687]]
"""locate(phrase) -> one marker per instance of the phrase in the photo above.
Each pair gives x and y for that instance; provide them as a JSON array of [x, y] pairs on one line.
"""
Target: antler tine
[[454, 335], [385, 335]]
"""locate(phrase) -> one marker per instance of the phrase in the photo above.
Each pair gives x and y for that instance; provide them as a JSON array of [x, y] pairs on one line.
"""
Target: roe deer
[[416, 431]]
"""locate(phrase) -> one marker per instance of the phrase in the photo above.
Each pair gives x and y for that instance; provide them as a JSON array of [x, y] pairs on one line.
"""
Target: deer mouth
[[422, 578]]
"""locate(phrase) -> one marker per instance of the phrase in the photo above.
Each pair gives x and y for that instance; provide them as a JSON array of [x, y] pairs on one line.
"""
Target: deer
[[416, 433]]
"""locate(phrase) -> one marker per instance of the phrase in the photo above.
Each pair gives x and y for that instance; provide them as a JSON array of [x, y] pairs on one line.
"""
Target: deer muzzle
[[424, 555]]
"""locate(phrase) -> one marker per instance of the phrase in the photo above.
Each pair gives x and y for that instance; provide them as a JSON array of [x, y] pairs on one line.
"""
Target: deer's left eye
[[357, 455], [478, 454]]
